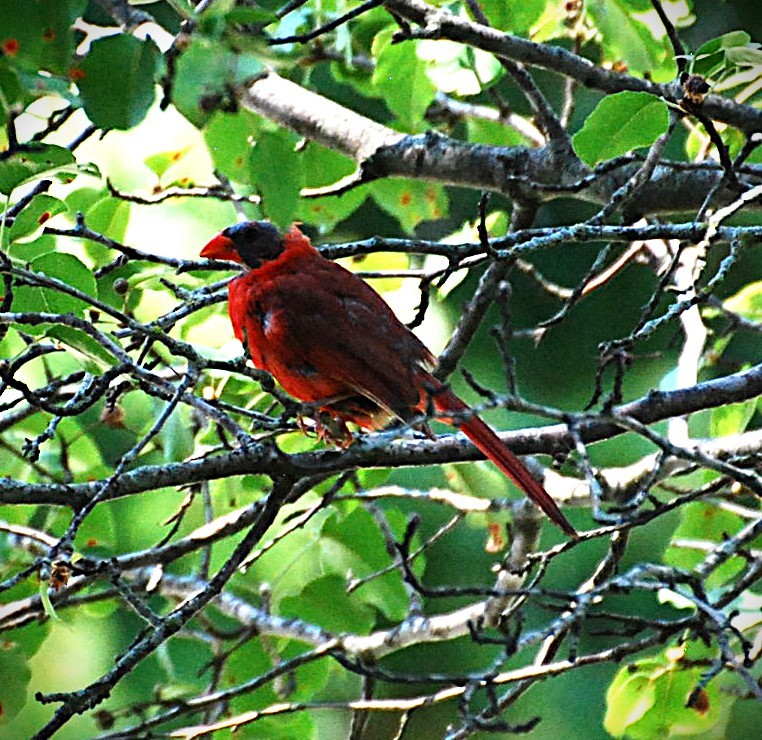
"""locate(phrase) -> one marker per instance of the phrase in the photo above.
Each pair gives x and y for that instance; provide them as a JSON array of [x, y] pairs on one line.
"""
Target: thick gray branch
[[554, 439], [523, 173], [318, 118]]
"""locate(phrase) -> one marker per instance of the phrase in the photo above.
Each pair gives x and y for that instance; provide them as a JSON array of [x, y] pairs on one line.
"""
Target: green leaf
[[325, 602], [336, 546], [300, 685], [38, 84], [704, 523], [227, 138], [648, 699], [626, 38], [619, 123], [696, 143], [119, 81], [66, 268], [402, 79], [295, 561], [709, 59], [479, 480], [30, 222], [494, 133], [110, 216], [25, 252], [83, 343], [21, 33], [251, 16], [513, 17], [551, 24], [322, 167], [47, 604], [84, 198], [411, 201], [725, 41], [32, 162], [11, 89], [16, 677], [732, 418], [159, 163], [176, 435], [276, 174], [745, 56], [629, 697], [205, 71], [454, 68], [354, 544], [747, 302], [359, 79], [59, 38]]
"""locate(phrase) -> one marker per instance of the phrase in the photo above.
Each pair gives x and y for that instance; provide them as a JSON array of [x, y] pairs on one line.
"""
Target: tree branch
[[520, 172], [257, 458], [441, 23]]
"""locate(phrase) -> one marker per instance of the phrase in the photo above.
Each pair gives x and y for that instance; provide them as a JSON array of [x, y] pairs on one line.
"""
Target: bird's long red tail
[[446, 402]]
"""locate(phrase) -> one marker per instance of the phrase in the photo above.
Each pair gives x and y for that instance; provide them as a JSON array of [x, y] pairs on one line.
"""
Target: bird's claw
[[329, 429]]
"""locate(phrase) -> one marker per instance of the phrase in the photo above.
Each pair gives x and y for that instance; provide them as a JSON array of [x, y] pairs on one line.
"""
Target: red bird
[[328, 338]]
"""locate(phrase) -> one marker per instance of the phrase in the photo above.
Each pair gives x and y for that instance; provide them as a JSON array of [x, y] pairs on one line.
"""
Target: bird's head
[[249, 242]]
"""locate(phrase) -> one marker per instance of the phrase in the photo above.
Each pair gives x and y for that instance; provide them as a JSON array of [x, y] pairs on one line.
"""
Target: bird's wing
[[323, 329]]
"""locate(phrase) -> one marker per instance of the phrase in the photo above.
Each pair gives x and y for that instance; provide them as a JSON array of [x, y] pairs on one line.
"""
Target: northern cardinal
[[328, 338]]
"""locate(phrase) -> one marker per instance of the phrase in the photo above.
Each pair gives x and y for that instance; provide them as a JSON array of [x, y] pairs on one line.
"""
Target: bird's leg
[[328, 427], [306, 424], [425, 429], [333, 430]]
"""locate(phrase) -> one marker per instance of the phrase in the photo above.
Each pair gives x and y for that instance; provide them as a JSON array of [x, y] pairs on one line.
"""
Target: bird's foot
[[327, 428]]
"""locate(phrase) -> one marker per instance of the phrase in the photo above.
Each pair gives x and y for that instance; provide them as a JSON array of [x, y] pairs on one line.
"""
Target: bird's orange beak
[[221, 248]]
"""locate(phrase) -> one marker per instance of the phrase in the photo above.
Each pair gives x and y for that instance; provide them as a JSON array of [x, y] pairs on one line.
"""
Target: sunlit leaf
[[380, 262], [411, 201], [324, 167], [648, 699], [747, 302], [159, 163], [228, 136], [29, 223], [276, 173], [625, 38], [402, 78], [110, 216], [733, 418], [745, 56], [454, 68], [709, 59], [702, 524], [205, 72], [69, 270], [620, 123], [31, 162]]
